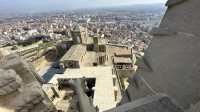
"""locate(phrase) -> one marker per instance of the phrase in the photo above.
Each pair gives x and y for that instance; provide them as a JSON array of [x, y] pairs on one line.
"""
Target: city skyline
[[54, 5]]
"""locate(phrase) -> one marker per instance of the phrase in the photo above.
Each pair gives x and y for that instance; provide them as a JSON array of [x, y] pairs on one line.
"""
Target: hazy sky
[[46, 5]]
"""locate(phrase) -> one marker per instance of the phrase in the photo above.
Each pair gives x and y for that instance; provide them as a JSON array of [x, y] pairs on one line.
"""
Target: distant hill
[[18, 9], [142, 7]]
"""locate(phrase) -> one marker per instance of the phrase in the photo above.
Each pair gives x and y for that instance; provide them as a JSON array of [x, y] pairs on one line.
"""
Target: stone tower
[[182, 16], [172, 60]]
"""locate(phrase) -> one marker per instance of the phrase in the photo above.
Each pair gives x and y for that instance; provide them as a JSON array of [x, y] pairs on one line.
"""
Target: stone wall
[[20, 88], [183, 16], [173, 56], [175, 67]]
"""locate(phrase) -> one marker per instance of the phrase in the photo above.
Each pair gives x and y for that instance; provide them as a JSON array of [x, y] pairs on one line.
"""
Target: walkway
[[104, 90]]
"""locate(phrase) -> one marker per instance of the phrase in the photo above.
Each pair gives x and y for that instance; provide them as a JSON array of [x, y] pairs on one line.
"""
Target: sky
[[50, 5]]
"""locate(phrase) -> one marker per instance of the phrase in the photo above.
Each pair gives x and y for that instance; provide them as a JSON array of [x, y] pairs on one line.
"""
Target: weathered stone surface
[[9, 81], [21, 67], [162, 32], [155, 103], [137, 89], [20, 87], [175, 63], [183, 17], [174, 2], [174, 57], [194, 108], [30, 96]]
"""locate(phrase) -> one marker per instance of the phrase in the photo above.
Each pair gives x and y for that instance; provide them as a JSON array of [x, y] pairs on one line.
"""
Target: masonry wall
[[183, 17], [175, 63]]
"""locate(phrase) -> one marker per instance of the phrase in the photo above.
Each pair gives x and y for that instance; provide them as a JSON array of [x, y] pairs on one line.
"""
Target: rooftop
[[122, 60], [104, 89], [75, 53]]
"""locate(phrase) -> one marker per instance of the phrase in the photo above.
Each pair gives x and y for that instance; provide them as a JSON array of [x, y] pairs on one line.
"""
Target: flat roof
[[90, 40], [122, 60], [120, 50], [75, 53], [104, 89], [125, 52], [90, 58]]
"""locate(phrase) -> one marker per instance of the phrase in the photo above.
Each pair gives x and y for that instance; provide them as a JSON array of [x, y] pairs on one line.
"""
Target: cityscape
[[97, 57]]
